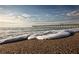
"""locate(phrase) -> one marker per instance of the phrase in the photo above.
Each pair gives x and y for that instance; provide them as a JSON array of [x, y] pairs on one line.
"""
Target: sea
[[8, 32]]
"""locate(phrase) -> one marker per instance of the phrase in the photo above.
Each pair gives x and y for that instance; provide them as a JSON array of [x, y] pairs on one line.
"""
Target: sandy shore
[[56, 46]]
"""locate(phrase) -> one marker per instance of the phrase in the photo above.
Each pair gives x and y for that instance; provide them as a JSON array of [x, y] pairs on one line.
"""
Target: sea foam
[[17, 38], [51, 34]]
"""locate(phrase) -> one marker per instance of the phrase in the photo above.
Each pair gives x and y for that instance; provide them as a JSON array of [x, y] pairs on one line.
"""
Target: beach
[[68, 45]]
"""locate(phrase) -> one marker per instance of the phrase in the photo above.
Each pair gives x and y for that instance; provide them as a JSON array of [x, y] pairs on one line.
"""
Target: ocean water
[[13, 32], [40, 33]]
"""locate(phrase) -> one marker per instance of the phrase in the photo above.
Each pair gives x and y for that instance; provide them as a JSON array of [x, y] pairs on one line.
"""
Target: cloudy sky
[[26, 16]]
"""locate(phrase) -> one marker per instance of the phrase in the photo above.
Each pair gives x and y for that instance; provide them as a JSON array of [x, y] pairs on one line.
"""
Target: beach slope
[[69, 45]]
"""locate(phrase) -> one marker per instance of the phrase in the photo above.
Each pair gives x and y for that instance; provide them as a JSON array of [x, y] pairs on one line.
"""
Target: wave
[[13, 39], [54, 34], [51, 34]]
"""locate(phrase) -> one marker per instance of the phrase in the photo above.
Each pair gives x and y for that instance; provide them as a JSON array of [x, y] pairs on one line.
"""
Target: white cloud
[[26, 15], [13, 20], [73, 13]]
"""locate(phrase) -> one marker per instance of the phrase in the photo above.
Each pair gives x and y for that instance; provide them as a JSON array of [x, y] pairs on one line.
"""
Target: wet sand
[[69, 45]]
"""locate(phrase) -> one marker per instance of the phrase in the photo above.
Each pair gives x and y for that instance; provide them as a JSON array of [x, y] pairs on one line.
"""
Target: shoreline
[[69, 45], [53, 34]]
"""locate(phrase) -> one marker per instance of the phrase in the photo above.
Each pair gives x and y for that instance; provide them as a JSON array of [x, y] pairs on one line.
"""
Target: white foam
[[57, 34], [17, 38], [73, 30], [52, 34], [34, 35]]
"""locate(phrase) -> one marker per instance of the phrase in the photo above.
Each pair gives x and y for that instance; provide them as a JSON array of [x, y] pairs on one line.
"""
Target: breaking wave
[[51, 34]]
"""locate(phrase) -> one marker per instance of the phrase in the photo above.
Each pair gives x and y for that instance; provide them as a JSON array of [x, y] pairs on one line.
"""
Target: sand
[[69, 45]]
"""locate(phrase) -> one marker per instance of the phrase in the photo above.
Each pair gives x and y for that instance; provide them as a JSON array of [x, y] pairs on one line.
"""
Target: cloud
[[73, 13], [11, 19], [1, 8], [26, 15]]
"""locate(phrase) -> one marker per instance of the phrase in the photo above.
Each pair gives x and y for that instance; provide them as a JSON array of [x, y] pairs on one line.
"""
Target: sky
[[29, 15]]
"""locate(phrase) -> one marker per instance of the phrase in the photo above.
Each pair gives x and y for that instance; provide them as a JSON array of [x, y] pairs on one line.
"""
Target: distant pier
[[58, 26]]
